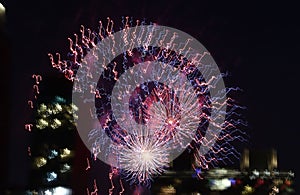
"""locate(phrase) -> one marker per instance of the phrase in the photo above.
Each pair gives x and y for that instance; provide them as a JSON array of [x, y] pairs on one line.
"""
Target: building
[[52, 148]]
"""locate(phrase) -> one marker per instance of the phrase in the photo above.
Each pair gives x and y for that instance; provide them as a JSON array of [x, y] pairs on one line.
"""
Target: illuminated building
[[53, 144]]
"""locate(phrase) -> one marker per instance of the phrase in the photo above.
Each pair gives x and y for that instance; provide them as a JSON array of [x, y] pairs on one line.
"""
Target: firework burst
[[152, 91], [143, 158]]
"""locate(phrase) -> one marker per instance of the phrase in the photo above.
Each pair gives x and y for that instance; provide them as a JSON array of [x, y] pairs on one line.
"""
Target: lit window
[[51, 176], [40, 161], [65, 153]]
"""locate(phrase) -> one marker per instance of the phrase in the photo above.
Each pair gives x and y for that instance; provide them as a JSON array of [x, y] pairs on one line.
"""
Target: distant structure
[[245, 161], [272, 160], [259, 159]]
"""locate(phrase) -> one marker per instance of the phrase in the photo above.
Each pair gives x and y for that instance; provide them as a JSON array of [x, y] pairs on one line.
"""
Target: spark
[[95, 188], [29, 150], [37, 78], [122, 187], [36, 88], [30, 103], [28, 127], [88, 164], [110, 176]]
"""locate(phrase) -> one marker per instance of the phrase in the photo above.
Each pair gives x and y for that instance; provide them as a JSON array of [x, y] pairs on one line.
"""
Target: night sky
[[258, 44]]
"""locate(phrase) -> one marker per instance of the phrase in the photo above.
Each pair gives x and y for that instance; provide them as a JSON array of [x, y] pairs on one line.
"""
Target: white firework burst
[[143, 158]]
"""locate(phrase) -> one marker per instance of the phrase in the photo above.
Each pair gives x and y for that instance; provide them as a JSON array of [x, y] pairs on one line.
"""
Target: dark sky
[[257, 43]]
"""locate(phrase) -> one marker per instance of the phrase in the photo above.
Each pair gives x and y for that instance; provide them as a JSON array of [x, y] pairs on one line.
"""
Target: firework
[[147, 92], [142, 158]]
